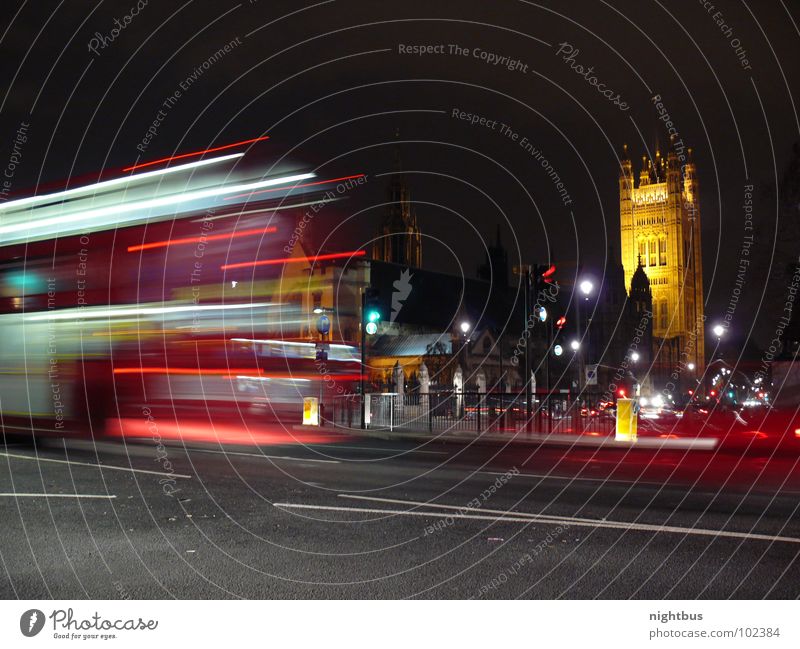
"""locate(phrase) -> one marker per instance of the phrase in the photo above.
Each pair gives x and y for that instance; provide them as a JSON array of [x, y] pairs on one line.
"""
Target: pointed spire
[[398, 165]]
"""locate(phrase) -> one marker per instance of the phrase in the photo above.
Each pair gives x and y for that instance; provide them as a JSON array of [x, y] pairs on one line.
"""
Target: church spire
[[399, 240]]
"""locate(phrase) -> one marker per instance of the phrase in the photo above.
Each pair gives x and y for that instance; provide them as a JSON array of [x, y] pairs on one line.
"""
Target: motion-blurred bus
[[169, 292]]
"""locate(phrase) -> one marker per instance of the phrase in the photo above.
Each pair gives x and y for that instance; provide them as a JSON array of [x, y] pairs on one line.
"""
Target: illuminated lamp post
[[719, 331], [585, 289]]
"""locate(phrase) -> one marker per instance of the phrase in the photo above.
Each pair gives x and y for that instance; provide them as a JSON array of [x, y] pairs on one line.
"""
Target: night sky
[[328, 83]]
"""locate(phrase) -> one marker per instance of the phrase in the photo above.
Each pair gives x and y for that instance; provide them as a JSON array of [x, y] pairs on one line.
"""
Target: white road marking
[[518, 517], [583, 478], [624, 482], [111, 467], [270, 457], [395, 501], [15, 495]]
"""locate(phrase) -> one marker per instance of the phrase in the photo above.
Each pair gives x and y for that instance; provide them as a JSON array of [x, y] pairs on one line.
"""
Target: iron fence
[[472, 412]]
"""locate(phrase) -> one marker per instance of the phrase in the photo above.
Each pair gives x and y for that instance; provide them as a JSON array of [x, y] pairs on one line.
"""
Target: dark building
[[399, 240], [495, 268], [619, 331]]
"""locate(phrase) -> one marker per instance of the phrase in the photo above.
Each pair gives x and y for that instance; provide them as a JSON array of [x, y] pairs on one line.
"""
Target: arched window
[[653, 257], [662, 251], [643, 251], [662, 315]]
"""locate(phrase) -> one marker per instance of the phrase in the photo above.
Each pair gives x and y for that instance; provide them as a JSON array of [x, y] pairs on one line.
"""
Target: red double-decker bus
[[165, 295]]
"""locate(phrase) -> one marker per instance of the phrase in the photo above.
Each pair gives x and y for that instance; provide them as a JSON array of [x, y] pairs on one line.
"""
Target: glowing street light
[[691, 367], [464, 326], [719, 330], [635, 356], [586, 287]]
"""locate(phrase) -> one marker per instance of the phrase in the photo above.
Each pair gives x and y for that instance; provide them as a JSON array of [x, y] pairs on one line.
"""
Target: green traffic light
[[373, 316]]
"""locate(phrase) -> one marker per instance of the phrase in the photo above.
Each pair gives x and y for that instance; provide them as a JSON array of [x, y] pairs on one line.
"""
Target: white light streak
[[88, 189]]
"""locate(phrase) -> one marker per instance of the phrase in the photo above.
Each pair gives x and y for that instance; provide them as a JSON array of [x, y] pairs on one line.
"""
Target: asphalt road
[[366, 518]]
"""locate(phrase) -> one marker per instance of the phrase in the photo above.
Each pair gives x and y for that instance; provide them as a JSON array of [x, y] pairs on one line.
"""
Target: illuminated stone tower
[[660, 224]]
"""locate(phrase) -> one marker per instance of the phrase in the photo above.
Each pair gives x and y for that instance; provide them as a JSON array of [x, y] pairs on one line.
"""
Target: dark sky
[[327, 82]]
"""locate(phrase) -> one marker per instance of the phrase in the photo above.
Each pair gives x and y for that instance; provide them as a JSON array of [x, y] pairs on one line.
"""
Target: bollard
[[627, 420], [310, 411]]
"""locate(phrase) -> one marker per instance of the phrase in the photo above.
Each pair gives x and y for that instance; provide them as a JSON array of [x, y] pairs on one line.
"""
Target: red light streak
[[205, 431], [294, 260], [279, 189], [230, 373], [192, 371], [188, 240], [194, 153]]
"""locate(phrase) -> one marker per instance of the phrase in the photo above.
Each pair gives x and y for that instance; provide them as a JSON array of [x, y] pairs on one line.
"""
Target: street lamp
[[575, 345], [635, 357], [691, 367], [586, 286], [465, 327], [719, 330]]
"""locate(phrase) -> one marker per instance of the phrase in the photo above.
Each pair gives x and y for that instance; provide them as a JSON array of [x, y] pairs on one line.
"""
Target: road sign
[[324, 324], [591, 375]]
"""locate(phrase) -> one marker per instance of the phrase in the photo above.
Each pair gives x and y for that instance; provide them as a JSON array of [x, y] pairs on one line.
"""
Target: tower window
[[662, 320], [643, 252], [653, 258], [662, 252]]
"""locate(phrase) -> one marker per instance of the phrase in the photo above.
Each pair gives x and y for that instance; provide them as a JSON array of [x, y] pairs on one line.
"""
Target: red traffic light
[[547, 275], [561, 322]]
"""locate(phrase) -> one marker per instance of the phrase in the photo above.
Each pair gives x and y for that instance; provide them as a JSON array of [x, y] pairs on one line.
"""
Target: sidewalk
[[526, 439]]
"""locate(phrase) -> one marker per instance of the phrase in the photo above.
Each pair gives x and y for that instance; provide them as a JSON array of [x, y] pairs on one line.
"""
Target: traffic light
[[561, 322], [372, 310], [543, 276]]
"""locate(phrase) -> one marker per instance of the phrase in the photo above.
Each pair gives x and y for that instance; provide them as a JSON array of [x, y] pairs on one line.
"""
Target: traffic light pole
[[363, 358], [527, 378]]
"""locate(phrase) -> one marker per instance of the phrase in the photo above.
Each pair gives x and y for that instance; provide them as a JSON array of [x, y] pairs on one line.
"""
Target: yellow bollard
[[310, 411], [627, 420]]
